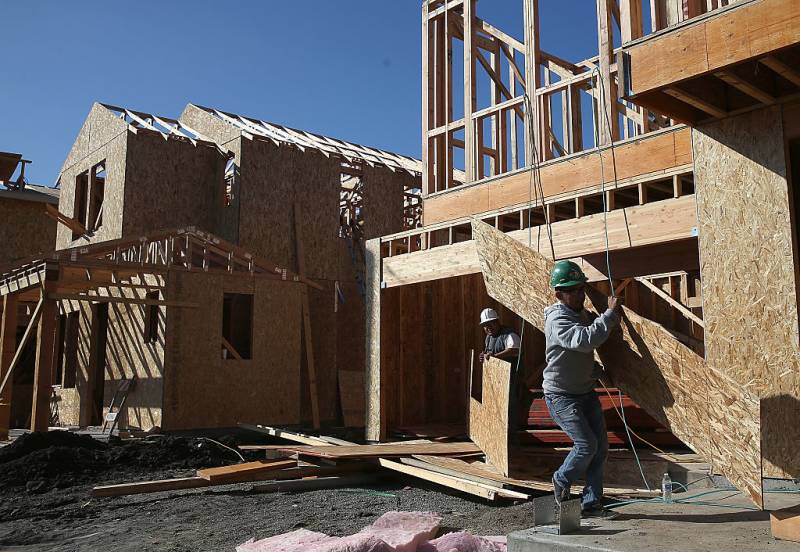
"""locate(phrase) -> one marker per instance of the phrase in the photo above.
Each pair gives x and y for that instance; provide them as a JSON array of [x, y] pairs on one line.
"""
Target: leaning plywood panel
[[749, 279], [662, 375], [488, 412]]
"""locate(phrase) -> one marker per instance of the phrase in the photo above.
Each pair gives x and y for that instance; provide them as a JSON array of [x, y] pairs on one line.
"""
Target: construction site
[[223, 333]]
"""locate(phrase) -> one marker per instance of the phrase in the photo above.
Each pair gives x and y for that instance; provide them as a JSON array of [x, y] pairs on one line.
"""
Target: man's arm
[[584, 339], [511, 350]]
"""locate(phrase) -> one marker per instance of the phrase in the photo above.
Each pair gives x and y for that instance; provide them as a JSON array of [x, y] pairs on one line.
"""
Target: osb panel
[[171, 183], [488, 417], [273, 179], [201, 390], [383, 200], [128, 353], [325, 331], [113, 153], [353, 400], [69, 405], [666, 378], [27, 231], [100, 127], [658, 152], [749, 297], [376, 416]]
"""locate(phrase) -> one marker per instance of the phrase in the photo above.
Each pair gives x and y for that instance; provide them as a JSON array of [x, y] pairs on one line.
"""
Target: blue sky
[[345, 68]]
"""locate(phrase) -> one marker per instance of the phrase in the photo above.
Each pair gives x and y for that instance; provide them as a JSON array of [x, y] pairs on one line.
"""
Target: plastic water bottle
[[666, 488]]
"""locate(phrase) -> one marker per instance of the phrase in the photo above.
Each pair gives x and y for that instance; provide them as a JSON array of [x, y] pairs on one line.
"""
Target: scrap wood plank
[[243, 472], [703, 407], [785, 524], [141, 487], [470, 487], [287, 434], [386, 450]]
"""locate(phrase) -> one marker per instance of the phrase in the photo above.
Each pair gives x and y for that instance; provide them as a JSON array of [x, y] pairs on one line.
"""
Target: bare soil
[[45, 502]]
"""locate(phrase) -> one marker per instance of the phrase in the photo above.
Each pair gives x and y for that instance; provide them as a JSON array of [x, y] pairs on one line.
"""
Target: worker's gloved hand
[[615, 304], [483, 357]]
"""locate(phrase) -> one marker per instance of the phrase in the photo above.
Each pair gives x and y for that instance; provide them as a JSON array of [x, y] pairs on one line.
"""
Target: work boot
[[597, 511], [561, 493]]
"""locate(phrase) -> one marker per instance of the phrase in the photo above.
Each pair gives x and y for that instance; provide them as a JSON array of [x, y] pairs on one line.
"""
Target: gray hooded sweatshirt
[[571, 338]]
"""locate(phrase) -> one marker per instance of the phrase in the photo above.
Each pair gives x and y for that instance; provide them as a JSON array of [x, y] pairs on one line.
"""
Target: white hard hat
[[487, 315]]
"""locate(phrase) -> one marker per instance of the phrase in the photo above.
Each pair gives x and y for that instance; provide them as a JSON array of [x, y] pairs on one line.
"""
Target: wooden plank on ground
[[286, 434], [141, 487], [470, 487], [243, 472], [703, 407], [385, 450]]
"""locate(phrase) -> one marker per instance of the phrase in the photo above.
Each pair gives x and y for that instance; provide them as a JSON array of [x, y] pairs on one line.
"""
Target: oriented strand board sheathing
[[352, 397], [749, 294], [376, 415], [26, 230], [201, 390], [488, 417], [712, 414], [383, 200]]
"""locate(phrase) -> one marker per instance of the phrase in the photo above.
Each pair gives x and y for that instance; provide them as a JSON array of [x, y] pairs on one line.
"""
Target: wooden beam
[[630, 20], [470, 146], [673, 303], [696, 102], [286, 434], [463, 485], [45, 358], [792, 75], [500, 35], [231, 349], [121, 300], [75, 226], [34, 320], [607, 106], [533, 140], [748, 88], [8, 346]]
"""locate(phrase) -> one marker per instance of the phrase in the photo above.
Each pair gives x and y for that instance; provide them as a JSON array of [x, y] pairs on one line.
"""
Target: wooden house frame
[[663, 193]]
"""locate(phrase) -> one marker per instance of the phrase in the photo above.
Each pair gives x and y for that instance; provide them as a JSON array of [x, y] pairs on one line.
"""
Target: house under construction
[[665, 165], [195, 251]]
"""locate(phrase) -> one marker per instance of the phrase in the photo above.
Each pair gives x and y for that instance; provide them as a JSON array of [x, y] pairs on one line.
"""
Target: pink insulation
[[463, 541], [296, 541], [405, 531]]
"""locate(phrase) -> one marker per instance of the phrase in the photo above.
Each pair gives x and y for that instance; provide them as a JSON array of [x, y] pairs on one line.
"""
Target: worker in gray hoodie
[[570, 377]]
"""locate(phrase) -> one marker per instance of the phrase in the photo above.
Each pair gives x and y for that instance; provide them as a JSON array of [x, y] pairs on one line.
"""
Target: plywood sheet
[[352, 397], [488, 413], [749, 279], [712, 414]]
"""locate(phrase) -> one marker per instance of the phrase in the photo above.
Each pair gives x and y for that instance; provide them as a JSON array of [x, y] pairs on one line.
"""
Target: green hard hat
[[566, 274]]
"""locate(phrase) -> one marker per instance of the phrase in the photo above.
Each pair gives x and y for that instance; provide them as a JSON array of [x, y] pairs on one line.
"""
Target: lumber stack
[[312, 462]]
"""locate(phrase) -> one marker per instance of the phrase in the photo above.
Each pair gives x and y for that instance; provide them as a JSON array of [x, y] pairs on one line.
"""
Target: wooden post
[[43, 373], [532, 54], [470, 146], [630, 20], [8, 346], [427, 91], [607, 104]]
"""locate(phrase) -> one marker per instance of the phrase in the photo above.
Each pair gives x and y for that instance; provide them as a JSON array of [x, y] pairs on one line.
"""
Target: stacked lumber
[[313, 462]]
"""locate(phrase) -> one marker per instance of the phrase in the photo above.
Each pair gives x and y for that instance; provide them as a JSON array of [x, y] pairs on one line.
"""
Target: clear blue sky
[[345, 68]]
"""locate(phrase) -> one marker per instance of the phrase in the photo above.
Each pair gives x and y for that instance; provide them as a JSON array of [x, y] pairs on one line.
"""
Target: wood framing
[[736, 58]]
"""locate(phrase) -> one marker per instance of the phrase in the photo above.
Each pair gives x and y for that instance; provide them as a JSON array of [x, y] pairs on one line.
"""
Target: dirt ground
[[45, 502]]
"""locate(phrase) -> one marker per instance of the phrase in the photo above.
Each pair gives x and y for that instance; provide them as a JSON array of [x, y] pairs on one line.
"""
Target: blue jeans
[[581, 418]]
